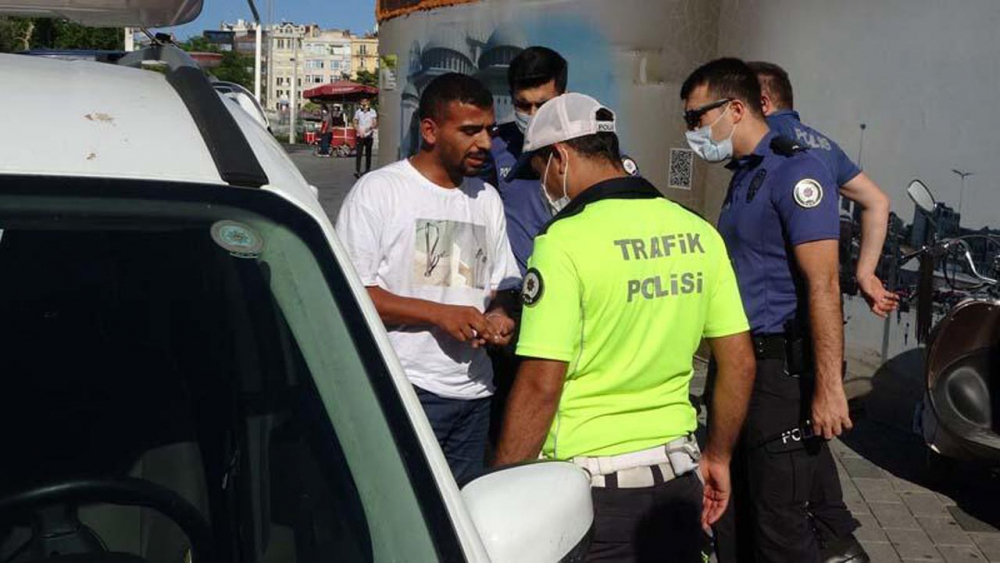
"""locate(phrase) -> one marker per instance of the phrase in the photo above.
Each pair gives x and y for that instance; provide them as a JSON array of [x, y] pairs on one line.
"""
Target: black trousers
[[364, 144], [506, 362], [324, 142], [787, 497], [505, 366], [658, 524]]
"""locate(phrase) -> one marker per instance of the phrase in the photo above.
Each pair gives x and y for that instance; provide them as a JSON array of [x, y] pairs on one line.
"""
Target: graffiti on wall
[[486, 54]]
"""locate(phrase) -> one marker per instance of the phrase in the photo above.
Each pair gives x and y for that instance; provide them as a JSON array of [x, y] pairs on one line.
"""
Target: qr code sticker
[[681, 163]]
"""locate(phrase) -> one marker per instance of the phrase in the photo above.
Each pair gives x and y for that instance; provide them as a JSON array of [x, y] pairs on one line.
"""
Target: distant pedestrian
[[325, 132], [906, 335], [365, 122]]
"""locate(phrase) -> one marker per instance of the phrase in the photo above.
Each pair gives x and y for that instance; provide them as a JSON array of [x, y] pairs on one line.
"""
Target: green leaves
[[18, 34]]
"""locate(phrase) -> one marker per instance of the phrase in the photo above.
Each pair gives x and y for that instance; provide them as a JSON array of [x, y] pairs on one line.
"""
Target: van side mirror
[[539, 511], [921, 197]]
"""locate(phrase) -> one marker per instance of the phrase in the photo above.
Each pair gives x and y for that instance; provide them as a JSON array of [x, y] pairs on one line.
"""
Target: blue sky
[[356, 15]]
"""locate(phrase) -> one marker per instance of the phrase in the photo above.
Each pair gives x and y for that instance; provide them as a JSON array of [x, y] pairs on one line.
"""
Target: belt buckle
[[636, 477], [681, 462]]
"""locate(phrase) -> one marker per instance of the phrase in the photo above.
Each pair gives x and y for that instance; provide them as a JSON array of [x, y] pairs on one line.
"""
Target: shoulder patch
[[808, 193], [532, 288]]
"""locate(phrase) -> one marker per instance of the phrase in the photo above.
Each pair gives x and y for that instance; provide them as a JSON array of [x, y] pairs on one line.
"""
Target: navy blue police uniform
[[827, 501], [523, 203], [787, 123], [527, 213], [780, 196]]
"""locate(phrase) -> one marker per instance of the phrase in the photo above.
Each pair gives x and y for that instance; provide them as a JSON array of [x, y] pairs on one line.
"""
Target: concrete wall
[[924, 75]]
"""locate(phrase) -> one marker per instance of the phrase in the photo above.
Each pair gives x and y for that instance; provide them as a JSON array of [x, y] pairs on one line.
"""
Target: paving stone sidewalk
[[903, 517]]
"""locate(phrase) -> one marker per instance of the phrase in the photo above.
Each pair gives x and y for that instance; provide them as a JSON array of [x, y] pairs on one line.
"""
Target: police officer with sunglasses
[[780, 221]]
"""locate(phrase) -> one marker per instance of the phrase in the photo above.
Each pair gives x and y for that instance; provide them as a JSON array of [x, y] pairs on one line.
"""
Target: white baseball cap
[[560, 119]]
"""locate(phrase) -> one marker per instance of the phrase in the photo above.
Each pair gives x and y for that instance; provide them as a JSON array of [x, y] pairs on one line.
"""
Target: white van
[[190, 369]]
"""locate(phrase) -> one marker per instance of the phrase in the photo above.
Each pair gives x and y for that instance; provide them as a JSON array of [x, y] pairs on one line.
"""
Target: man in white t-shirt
[[365, 122], [428, 238]]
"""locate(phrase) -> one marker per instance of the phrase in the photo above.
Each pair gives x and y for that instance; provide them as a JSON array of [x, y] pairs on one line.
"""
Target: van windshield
[[196, 346]]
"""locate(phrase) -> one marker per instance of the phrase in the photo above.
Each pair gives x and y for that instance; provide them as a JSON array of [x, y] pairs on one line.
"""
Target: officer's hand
[[881, 300], [465, 324], [501, 327], [830, 416], [715, 473]]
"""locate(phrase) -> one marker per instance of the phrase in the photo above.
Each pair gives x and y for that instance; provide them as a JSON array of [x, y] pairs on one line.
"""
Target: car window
[[200, 347]]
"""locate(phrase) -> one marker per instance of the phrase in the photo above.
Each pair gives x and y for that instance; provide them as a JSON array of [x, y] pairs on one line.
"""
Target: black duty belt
[[769, 347]]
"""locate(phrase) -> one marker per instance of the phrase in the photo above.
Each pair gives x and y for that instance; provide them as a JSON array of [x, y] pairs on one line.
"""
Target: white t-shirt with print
[[416, 239], [365, 121]]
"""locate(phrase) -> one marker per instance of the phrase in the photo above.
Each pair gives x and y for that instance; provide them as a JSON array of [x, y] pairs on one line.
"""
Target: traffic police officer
[[780, 222], [621, 288]]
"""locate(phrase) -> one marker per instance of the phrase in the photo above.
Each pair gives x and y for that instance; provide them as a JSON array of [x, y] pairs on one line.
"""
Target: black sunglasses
[[692, 117]]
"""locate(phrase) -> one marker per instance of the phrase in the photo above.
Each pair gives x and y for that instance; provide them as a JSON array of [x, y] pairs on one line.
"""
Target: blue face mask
[[701, 142], [522, 120]]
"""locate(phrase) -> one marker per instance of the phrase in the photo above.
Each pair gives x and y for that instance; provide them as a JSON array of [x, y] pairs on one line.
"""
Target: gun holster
[[798, 351]]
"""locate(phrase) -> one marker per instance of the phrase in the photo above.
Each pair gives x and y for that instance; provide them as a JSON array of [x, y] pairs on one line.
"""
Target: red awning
[[206, 60], [343, 90]]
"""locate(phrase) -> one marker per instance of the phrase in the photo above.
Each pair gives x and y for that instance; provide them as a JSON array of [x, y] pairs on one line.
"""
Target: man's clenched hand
[[465, 324], [830, 416]]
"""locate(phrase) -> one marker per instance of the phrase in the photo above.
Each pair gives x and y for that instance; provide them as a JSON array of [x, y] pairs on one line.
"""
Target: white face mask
[[701, 142], [557, 205], [522, 120]]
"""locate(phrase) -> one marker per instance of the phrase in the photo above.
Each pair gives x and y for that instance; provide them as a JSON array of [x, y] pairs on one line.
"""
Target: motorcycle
[[960, 414]]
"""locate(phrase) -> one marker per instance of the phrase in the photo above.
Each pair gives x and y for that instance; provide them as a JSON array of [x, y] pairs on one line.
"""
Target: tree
[[17, 34], [367, 78], [62, 34], [235, 67], [199, 44]]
